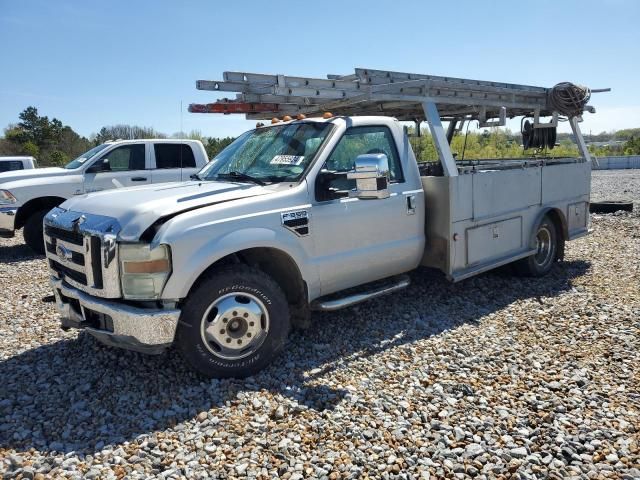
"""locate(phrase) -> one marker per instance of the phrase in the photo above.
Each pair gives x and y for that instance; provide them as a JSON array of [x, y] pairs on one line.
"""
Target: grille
[[66, 254], [72, 237], [76, 258], [96, 262], [83, 253], [64, 271]]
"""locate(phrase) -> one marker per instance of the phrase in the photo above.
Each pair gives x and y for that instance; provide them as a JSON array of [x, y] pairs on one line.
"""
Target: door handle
[[411, 204], [139, 179]]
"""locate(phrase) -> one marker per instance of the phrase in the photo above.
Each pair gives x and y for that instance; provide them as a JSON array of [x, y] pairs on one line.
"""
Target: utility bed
[[484, 217]]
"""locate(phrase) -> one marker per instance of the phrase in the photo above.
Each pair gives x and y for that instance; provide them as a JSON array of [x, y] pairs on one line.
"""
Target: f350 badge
[[297, 222]]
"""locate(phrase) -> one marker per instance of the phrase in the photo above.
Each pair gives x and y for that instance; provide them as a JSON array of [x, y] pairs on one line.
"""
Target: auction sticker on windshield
[[287, 160]]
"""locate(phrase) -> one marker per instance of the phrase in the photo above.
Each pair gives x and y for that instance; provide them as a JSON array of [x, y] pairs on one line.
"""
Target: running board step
[[393, 285]]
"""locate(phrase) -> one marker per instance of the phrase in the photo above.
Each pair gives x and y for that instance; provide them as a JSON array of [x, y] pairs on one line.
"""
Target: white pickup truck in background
[[27, 195], [10, 164]]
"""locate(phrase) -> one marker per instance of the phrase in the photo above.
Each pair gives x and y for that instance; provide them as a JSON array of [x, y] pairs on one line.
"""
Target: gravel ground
[[495, 377]]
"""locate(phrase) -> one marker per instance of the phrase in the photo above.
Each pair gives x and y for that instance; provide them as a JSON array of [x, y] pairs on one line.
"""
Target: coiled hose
[[569, 99]]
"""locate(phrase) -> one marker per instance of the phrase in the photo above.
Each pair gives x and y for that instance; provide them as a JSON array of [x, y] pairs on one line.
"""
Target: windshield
[[273, 154], [78, 162]]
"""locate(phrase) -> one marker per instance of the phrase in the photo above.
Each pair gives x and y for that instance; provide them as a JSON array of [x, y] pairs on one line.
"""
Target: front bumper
[[114, 323], [7, 221]]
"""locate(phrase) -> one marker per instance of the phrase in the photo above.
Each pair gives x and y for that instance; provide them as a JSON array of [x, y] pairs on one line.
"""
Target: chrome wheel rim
[[544, 247], [235, 325]]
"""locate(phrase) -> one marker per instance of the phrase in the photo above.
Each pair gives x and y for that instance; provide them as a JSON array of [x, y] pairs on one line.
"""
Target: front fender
[[189, 264]]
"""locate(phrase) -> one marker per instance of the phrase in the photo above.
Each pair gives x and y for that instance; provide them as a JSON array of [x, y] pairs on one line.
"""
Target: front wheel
[[33, 231], [234, 323], [546, 245]]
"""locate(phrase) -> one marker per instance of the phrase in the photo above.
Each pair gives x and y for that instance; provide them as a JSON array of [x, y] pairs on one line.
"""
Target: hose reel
[[537, 138]]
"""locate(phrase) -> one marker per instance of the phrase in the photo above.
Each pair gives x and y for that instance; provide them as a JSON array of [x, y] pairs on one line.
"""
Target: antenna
[[181, 132]]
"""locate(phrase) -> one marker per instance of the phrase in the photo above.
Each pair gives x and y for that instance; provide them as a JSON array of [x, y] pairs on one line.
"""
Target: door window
[[11, 165], [125, 158], [362, 140], [174, 155]]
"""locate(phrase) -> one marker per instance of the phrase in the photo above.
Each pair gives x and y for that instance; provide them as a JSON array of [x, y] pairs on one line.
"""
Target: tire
[[33, 231], [611, 206], [545, 239], [230, 307]]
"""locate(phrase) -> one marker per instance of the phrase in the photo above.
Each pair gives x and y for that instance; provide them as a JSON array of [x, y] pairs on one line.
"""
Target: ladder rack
[[373, 92], [406, 96]]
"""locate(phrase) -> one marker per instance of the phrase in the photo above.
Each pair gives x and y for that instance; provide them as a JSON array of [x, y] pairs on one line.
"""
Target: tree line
[[55, 144]]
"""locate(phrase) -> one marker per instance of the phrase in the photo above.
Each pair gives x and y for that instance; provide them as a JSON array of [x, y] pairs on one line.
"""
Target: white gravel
[[495, 377]]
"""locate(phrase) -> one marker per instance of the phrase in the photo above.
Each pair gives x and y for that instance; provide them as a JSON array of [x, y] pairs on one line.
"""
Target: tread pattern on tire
[[33, 231], [188, 333]]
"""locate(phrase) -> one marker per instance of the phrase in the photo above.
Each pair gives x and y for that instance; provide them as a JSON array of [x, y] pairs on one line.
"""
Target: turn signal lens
[[286, 118], [275, 120], [327, 115], [150, 266], [301, 116]]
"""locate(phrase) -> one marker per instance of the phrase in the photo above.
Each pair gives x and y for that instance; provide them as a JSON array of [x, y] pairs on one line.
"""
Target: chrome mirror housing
[[371, 173]]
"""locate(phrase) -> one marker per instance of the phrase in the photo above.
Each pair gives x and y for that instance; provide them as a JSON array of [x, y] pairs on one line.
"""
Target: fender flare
[[559, 220], [235, 242]]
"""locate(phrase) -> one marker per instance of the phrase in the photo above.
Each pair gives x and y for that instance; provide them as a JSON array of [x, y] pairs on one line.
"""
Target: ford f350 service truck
[[27, 195], [295, 212]]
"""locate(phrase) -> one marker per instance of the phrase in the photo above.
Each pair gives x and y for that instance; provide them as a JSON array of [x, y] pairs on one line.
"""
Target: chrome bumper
[[7, 221], [116, 324]]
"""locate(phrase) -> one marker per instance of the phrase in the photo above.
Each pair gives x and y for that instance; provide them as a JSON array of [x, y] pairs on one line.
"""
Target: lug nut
[[222, 331], [239, 342], [249, 334], [246, 315], [251, 324], [228, 340]]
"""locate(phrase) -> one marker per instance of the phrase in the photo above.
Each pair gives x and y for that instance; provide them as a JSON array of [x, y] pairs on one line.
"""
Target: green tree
[[214, 146], [632, 146], [58, 158], [48, 140]]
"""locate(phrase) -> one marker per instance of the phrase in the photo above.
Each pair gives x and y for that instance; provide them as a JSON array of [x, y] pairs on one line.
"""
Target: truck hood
[[137, 208], [6, 177]]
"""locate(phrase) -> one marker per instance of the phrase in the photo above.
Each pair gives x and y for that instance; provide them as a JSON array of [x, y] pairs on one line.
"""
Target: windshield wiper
[[241, 176]]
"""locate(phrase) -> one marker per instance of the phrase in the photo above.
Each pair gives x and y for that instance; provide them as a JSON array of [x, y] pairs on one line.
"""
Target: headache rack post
[[440, 139], [582, 146]]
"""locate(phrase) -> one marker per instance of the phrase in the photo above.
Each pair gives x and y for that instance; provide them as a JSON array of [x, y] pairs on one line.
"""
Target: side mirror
[[325, 188], [371, 173], [101, 165]]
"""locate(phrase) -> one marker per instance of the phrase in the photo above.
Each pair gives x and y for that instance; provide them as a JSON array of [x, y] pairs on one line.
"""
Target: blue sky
[[92, 64]]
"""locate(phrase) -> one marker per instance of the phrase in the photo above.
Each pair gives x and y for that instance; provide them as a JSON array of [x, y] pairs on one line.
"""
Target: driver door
[[124, 166], [357, 241]]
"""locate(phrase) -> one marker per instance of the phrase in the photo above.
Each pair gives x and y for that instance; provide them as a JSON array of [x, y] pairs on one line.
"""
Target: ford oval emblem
[[64, 253]]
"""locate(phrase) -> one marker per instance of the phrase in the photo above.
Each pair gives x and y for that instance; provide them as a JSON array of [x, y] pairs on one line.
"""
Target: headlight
[[144, 270], [6, 197]]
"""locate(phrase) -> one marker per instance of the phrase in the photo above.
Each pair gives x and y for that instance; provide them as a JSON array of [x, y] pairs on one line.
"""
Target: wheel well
[[560, 222], [36, 205], [275, 263]]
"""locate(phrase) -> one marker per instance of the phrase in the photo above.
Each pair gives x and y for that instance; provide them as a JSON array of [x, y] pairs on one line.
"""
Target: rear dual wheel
[[546, 244], [234, 323]]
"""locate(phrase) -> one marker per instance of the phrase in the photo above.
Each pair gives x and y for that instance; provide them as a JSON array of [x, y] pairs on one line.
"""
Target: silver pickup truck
[[287, 218]]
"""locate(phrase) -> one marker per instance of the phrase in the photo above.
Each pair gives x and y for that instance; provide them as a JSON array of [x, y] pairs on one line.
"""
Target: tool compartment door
[[493, 240]]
